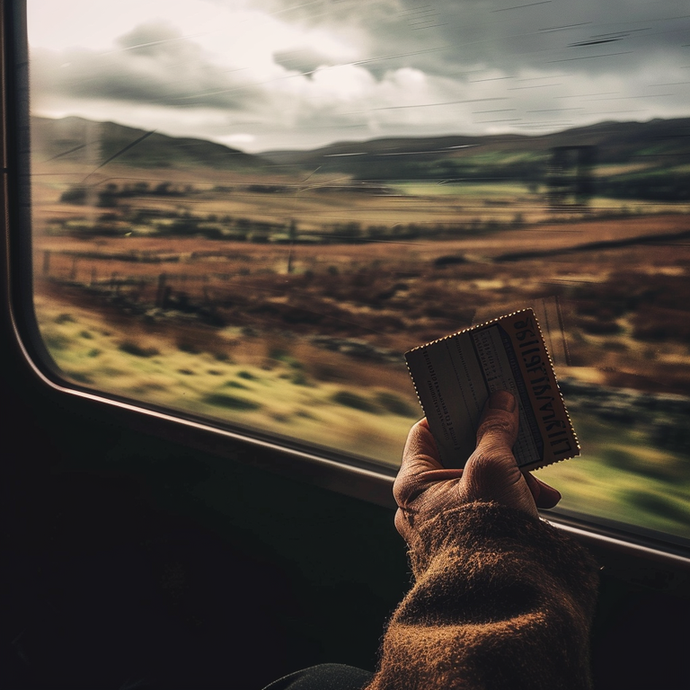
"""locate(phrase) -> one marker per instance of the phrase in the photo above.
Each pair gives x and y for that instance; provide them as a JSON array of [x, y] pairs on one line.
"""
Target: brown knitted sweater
[[500, 600]]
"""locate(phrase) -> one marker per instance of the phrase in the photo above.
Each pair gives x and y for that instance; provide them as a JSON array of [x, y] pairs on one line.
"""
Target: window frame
[[322, 467]]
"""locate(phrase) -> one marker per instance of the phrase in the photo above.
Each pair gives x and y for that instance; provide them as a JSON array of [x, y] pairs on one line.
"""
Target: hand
[[423, 488]]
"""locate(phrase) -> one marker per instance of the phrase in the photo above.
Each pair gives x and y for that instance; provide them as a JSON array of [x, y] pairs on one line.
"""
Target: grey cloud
[[445, 36], [303, 60], [480, 50], [153, 64], [152, 39]]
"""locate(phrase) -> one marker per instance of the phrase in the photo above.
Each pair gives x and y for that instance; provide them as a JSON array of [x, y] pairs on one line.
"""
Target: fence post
[[161, 291]]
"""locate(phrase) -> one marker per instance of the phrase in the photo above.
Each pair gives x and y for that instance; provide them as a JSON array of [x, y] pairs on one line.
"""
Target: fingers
[[423, 486], [545, 496], [420, 451], [420, 455]]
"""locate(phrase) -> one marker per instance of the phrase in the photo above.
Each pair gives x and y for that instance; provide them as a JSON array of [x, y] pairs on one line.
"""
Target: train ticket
[[455, 375]]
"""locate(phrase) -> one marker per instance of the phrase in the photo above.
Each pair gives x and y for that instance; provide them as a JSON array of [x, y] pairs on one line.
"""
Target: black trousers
[[324, 677]]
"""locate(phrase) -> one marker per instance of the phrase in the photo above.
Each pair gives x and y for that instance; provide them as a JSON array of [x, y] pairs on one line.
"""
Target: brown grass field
[[396, 295]]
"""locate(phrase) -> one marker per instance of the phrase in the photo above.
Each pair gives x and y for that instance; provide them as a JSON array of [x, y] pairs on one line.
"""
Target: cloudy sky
[[265, 74]]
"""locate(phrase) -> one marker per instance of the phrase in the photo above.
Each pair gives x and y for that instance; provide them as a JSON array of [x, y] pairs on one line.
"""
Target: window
[[247, 211]]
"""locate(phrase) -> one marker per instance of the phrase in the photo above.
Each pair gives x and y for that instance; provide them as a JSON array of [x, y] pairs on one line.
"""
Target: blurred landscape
[[279, 291]]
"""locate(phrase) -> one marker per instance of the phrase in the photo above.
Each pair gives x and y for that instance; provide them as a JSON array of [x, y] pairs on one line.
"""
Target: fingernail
[[502, 400]]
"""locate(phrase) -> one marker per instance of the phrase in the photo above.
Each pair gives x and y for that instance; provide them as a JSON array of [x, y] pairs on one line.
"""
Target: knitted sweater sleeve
[[500, 600]]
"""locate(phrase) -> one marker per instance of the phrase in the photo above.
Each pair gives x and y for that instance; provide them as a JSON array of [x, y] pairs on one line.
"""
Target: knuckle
[[491, 462], [495, 427], [404, 489], [401, 523], [500, 433]]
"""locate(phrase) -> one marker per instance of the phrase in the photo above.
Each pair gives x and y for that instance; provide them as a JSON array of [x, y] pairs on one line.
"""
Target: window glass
[[249, 209]]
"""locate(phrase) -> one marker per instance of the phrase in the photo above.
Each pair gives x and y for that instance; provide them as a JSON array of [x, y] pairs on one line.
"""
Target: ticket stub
[[454, 377]]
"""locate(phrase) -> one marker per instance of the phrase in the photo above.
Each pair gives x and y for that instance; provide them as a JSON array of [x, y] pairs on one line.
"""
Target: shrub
[[230, 402], [56, 341], [300, 379], [188, 347], [350, 399], [395, 404], [659, 506], [236, 384], [131, 348], [617, 458], [75, 195], [79, 377]]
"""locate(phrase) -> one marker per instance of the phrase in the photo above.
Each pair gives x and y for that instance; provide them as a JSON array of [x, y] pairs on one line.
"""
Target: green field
[[620, 477], [260, 385]]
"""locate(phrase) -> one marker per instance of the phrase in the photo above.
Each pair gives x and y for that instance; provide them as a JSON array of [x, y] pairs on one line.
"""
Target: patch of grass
[[305, 414], [237, 384], [395, 404], [148, 388], [280, 354], [188, 347], [65, 318], [662, 468], [356, 402], [615, 457], [86, 335], [230, 402], [55, 341], [657, 505], [131, 348], [93, 352], [247, 375], [79, 376], [112, 372]]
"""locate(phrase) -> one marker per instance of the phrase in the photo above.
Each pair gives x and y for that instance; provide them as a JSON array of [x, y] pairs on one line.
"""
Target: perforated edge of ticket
[[455, 375]]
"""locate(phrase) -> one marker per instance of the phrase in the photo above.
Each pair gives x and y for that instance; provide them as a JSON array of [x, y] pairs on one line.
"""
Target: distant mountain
[[633, 160], [76, 139], [656, 143]]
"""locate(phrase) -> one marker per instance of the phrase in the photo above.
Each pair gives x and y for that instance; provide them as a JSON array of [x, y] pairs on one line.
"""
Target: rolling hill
[[75, 139], [633, 159]]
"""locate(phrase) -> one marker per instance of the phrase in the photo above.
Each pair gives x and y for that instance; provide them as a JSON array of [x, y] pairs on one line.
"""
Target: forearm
[[500, 600]]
